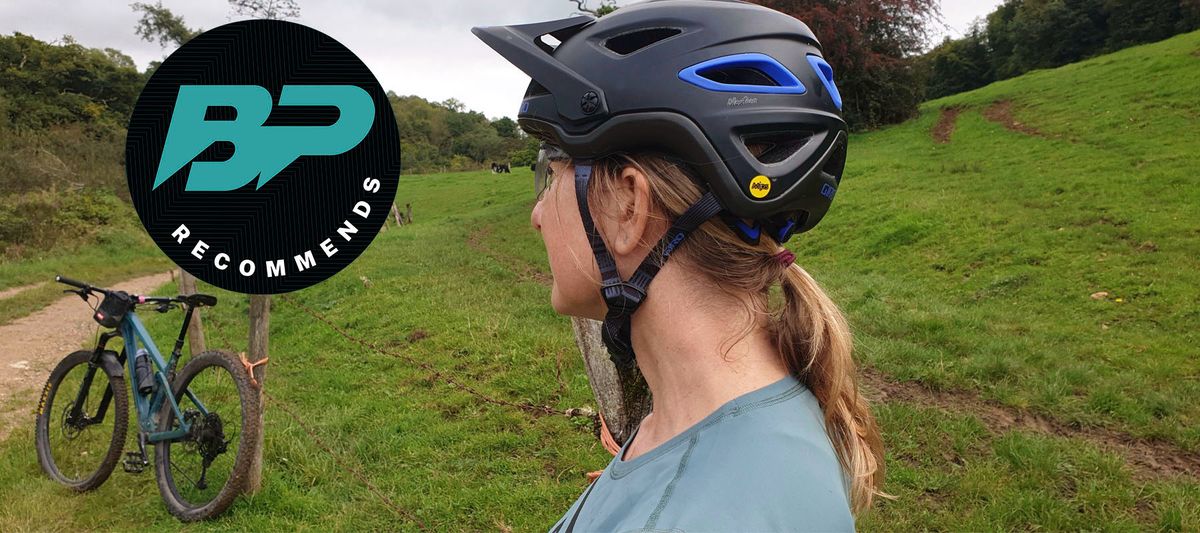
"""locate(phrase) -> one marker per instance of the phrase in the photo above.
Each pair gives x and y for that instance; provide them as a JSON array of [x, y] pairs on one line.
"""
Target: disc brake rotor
[[70, 428]]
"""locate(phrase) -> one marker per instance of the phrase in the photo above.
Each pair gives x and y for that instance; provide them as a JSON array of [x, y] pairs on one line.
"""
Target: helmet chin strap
[[623, 297]]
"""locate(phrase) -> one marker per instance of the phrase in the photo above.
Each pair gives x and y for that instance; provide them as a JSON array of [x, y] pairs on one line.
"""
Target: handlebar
[[71, 282], [137, 299]]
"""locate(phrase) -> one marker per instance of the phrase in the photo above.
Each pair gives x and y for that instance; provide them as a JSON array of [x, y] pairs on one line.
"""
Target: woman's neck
[[689, 341]]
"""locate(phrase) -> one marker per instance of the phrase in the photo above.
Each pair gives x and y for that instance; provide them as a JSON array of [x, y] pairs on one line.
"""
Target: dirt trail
[[945, 125], [1148, 459], [30, 347], [1001, 112], [10, 292]]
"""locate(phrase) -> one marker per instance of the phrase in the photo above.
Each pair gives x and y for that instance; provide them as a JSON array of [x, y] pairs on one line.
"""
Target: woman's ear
[[626, 213]]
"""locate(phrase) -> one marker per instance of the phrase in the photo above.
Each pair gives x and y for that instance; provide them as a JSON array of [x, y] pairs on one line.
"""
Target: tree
[[958, 65], [1049, 33], [1132, 22], [48, 85], [606, 7], [159, 24], [1000, 39], [505, 127], [454, 105], [266, 9], [870, 45], [525, 153]]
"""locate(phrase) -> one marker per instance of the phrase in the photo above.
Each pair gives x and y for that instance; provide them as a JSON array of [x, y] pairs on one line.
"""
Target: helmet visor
[[542, 175]]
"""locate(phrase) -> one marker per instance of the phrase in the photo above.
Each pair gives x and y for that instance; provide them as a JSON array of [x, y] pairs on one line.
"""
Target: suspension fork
[[77, 417]]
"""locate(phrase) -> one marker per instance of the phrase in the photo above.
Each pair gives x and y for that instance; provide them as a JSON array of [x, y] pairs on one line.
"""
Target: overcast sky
[[413, 47]]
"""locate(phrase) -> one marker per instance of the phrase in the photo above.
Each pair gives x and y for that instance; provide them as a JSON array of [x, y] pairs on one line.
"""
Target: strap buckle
[[622, 297]]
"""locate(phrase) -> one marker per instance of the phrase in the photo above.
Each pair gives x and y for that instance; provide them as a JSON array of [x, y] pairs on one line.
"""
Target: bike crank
[[136, 462]]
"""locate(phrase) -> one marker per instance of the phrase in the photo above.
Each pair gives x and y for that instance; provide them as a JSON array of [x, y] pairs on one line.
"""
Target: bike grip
[[69, 281]]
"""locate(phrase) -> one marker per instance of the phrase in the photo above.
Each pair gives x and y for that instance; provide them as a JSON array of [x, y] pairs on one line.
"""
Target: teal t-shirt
[[761, 462]]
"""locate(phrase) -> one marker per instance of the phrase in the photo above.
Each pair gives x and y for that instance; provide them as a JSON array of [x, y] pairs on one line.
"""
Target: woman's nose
[[535, 217]]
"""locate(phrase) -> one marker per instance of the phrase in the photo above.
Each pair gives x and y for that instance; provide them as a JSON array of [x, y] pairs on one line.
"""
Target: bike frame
[[133, 333]]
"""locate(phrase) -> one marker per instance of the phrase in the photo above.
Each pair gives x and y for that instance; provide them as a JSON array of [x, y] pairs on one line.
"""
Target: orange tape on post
[[609, 443]]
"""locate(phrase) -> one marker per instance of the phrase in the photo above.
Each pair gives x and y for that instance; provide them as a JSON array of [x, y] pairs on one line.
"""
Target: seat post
[[187, 319]]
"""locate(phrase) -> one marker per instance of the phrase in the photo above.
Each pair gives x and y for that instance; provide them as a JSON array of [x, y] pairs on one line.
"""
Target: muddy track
[[30, 347], [944, 127], [527, 272], [1001, 113], [1148, 459]]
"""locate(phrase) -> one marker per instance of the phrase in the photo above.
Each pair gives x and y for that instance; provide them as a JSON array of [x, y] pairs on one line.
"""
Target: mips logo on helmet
[[760, 186], [263, 156]]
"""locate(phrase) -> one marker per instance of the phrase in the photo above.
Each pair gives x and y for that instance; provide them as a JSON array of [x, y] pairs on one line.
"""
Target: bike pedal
[[134, 463]]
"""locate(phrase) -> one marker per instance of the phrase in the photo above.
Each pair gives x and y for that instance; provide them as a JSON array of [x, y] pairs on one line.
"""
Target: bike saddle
[[200, 300]]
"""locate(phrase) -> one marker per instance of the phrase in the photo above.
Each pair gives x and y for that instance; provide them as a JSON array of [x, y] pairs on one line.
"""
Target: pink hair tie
[[785, 257]]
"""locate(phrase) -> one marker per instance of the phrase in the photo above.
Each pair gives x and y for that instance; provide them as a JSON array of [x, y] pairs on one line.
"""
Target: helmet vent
[[548, 43], [735, 75], [836, 164], [628, 43], [749, 72], [535, 89], [770, 148]]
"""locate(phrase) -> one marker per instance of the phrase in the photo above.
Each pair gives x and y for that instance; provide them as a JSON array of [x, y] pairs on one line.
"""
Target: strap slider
[[622, 297]]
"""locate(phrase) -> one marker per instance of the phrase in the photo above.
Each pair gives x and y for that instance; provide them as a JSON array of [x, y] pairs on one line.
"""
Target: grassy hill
[[1025, 291]]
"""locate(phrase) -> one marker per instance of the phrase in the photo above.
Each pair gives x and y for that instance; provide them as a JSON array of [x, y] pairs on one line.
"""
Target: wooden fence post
[[260, 326], [187, 285], [622, 396]]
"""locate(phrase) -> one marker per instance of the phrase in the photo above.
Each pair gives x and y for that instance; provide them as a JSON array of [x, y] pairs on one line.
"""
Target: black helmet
[[702, 81], [697, 79]]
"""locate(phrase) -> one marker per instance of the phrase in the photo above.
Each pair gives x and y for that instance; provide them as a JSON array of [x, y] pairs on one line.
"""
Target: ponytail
[[812, 336]]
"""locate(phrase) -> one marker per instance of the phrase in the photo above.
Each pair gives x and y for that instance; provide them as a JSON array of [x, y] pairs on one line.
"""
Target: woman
[[708, 133]]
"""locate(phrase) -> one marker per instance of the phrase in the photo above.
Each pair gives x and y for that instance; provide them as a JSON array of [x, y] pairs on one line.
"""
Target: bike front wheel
[[82, 418], [199, 475]]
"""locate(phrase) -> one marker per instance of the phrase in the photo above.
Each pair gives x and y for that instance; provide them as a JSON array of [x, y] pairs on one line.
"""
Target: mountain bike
[[203, 421]]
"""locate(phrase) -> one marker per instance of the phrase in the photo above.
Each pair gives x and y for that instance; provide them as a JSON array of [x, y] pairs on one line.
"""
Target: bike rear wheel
[[201, 474], [80, 447]]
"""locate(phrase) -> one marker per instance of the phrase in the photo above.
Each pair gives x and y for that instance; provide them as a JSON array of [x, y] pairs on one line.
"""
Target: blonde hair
[[808, 329]]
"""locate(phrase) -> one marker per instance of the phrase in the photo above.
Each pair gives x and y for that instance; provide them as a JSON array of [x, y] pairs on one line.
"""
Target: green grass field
[[966, 269]]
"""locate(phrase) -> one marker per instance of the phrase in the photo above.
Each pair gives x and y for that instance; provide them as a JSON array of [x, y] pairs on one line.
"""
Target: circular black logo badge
[[262, 156]]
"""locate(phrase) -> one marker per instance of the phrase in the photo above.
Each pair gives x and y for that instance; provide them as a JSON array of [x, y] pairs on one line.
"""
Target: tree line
[[1023, 35]]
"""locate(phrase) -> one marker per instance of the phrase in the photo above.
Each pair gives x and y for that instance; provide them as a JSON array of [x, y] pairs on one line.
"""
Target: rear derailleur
[[208, 435]]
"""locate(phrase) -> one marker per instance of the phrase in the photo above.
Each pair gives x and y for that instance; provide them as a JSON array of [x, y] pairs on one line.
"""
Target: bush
[[51, 218]]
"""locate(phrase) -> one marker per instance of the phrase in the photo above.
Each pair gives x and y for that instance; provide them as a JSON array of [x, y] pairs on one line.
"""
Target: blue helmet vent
[[743, 73], [825, 72]]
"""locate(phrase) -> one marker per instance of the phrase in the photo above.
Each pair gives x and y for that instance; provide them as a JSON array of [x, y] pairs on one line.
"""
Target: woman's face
[[576, 284]]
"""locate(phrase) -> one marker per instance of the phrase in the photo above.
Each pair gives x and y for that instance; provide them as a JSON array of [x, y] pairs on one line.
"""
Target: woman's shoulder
[[771, 462], [778, 426]]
